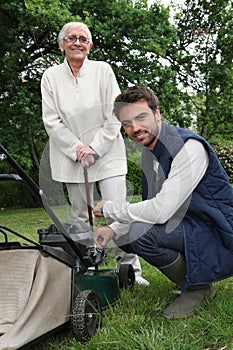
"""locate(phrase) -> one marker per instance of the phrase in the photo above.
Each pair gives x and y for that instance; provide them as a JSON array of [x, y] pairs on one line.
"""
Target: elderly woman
[[77, 103]]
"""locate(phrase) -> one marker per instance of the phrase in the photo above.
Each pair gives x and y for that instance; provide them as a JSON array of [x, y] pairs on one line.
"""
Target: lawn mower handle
[[89, 209], [30, 183]]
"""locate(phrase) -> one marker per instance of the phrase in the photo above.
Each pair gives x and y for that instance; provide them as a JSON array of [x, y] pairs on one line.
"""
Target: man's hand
[[102, 236], [97, 210]]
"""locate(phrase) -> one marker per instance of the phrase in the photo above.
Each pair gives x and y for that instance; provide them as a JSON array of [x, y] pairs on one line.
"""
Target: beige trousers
[[113, 189]]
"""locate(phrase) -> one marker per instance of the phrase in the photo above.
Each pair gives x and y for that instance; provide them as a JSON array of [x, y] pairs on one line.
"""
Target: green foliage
[[12, 196], [134, 178], [225, 155], [204, 62], [26, 50], [136, 41]]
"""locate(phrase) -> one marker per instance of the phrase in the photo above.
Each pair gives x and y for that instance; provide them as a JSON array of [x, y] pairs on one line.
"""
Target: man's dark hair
[[134, 94]]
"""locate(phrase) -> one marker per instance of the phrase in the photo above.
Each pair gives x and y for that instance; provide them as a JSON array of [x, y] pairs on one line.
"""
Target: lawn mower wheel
[[86, 315]]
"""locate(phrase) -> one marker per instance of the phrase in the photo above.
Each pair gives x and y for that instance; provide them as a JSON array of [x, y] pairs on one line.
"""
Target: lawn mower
[[54, 283]]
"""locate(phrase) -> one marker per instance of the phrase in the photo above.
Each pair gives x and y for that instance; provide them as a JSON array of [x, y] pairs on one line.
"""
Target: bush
[[225, 155], [134, 178], [16, 195], [12, 195]]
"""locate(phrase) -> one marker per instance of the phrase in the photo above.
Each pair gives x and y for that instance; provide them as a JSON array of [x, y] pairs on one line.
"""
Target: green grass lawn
[[136, 321]]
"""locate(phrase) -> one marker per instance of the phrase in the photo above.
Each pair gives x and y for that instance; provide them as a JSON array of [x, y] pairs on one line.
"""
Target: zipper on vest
[[184, 287]]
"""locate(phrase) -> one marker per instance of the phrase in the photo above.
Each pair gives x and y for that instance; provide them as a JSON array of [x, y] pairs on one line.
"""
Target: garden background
[[184, 53]]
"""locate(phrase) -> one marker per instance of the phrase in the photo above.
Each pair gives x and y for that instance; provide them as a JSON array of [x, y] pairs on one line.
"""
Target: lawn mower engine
[[81, 234]]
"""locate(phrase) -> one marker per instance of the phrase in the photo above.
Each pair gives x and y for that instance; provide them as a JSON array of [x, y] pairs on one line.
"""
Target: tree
[[204, 63], [26, 49], [137, 41]]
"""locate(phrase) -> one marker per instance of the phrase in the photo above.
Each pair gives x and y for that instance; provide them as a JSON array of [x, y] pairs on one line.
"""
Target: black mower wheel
[[126, 276], [86, 315]]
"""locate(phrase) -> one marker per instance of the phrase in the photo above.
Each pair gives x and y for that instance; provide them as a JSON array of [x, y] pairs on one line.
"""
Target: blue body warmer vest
[[207, 217]]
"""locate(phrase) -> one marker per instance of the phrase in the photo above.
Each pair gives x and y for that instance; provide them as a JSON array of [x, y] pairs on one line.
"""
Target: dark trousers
[[153, 243]]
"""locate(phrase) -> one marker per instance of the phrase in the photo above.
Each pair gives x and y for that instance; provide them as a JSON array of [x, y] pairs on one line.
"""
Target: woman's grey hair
[[65, 28]]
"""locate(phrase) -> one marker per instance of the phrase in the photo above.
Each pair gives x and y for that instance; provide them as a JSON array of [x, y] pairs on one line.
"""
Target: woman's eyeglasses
[[73, 39]]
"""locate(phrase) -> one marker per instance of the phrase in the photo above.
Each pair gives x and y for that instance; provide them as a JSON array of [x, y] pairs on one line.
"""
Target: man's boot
[[193, 296]]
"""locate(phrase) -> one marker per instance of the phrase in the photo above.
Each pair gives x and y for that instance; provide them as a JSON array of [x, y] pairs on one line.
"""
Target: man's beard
[[153, 136], [150, 141]]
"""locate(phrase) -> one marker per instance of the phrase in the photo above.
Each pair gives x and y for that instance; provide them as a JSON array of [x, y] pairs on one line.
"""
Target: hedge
[[225, 155]]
